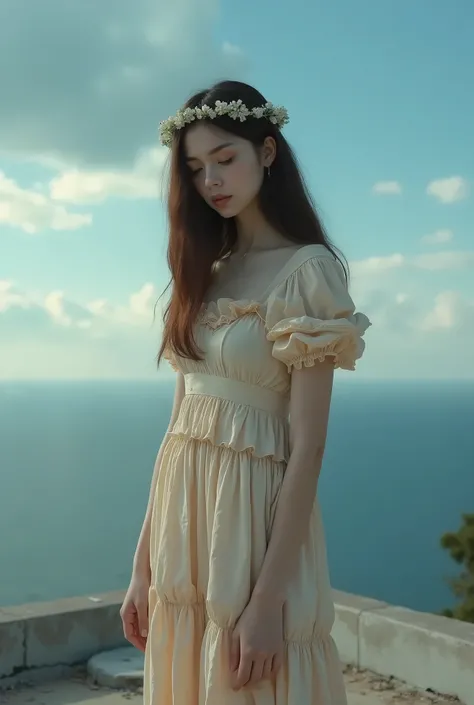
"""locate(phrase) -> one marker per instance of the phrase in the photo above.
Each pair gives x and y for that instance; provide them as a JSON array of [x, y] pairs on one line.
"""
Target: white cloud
[[449, 190], [443, 260], [450, 311], [439, 237], [94, 186], [403, 297], [21, 308], [376, 265], [64, 312], [231, 49], [95, 84], [446, 259], [387, 188], [54, 305], [95, 120], [45, 335], [141, 303], [138, 310], [61, 311], [32, 211], [10, 296]]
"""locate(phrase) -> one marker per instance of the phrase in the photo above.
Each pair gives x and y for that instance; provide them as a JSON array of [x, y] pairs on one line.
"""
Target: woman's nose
[[212, 178]]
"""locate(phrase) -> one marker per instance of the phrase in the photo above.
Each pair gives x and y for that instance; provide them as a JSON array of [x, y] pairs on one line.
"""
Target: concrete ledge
[[346, 625], [59, 633], [424, 650], [12, 644]]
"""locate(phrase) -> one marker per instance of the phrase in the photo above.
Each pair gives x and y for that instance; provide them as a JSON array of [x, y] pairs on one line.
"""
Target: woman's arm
[[311, 389], [142, 554]]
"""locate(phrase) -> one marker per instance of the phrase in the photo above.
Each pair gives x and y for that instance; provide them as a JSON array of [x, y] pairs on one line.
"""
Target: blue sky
[[381, 114]]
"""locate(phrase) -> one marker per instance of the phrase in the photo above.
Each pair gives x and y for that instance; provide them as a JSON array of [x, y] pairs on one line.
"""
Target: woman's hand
[[134, 610], [257, 643]]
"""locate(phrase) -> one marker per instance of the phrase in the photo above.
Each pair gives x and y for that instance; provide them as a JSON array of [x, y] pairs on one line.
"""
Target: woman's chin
[[228, 212]]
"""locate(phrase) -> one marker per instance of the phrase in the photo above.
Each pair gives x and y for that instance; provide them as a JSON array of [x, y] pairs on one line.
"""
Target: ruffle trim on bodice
[[241, 427], [222, 312]]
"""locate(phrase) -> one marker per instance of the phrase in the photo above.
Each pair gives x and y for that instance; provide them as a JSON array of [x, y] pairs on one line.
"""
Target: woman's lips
[[221, 201]]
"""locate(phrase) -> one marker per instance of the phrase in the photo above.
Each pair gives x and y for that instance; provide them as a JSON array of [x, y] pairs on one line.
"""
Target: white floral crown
[[236, 110]]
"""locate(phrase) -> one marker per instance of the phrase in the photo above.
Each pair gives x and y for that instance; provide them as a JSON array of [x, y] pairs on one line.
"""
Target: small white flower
[[206, 111], [220, 107], [188, 114]]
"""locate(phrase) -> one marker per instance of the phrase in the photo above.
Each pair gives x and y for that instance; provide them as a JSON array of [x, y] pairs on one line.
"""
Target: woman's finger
[[244, 671], [267, 669], [138, 640], [234, 652], [142, 618], [257, 670], [277, 663]]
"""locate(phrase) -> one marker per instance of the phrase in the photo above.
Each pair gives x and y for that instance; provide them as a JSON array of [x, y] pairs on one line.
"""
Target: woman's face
[[225, 168]]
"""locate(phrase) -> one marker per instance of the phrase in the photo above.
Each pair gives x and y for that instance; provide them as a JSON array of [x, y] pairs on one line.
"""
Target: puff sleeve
[[311, 316]]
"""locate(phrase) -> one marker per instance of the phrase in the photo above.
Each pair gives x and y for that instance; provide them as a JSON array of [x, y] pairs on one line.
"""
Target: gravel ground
[[363, 688]]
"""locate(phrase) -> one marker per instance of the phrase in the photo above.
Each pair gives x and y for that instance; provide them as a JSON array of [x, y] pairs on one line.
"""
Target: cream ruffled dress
[[218, 486]]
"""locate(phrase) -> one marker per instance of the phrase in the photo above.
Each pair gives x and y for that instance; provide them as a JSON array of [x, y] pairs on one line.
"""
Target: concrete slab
[[120, 668]]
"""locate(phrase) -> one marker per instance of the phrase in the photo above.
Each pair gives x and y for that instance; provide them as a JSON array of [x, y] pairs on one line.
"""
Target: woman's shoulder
[[308, 252], [300, 258]]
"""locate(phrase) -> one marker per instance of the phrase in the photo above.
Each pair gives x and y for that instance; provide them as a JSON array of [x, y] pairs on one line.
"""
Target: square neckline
[[289, 268]]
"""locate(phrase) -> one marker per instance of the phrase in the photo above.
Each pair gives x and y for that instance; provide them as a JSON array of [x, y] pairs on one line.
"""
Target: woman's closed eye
[[224, 162]]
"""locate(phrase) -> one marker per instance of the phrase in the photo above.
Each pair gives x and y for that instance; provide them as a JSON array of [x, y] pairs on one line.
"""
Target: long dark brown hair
[[199, 236]]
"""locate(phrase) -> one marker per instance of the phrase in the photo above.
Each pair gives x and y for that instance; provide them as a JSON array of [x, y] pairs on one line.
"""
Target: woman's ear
[[268, 151]]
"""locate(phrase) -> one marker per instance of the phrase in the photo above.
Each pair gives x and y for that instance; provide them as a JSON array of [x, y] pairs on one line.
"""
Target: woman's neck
[[255, 233]]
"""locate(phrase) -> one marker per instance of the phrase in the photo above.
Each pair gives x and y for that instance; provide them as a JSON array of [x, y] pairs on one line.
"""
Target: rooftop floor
[[363, 688]]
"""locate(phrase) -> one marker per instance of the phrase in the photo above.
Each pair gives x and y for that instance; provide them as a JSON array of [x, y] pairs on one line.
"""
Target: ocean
[[76, 460]]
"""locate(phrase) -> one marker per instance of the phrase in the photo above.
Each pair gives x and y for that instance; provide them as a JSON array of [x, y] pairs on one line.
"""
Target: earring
[[268, 171]]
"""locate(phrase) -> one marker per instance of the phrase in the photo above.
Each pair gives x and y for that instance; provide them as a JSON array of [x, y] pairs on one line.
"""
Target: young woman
[[230, 596]]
